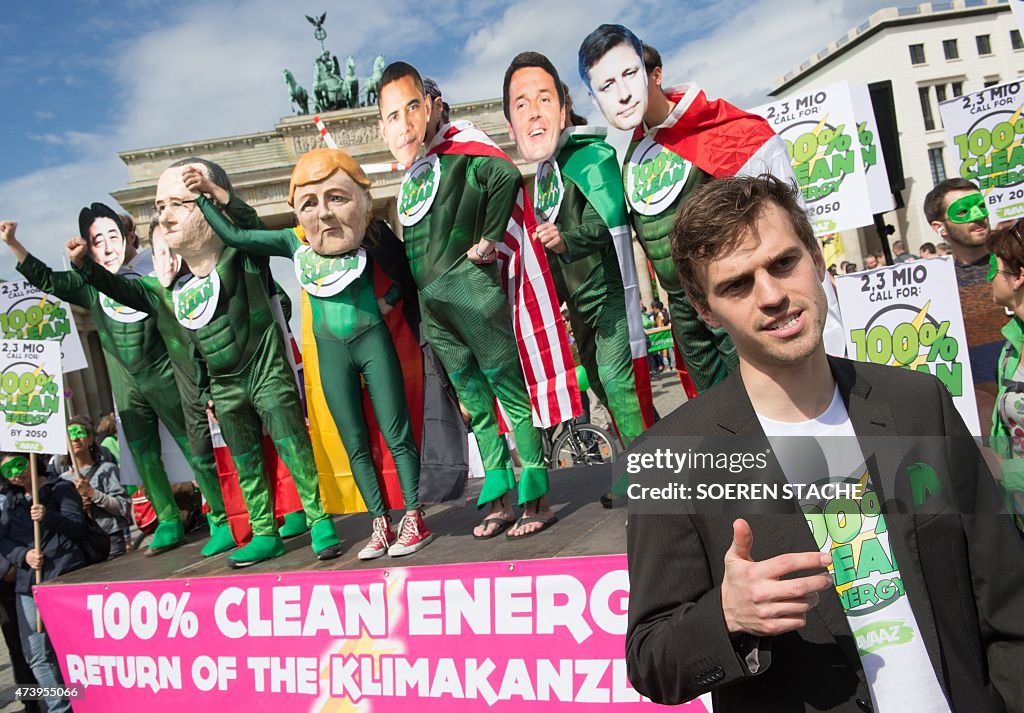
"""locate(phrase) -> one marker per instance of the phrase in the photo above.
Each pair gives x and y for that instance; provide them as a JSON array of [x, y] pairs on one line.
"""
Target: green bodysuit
[[227, 316], [448, 203], [656, 189], [144, 356], [587, 276], [352, 341]]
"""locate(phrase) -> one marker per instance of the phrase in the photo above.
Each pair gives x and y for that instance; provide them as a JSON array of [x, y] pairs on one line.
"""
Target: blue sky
[[83, 80]]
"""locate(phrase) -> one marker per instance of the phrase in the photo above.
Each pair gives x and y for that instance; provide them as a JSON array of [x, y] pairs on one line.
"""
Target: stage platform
[[583, 528]]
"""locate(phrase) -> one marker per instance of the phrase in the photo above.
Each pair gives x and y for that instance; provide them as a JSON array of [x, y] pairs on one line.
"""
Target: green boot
[[262, 547], [294, 524], [325, 539], [221, 540], [167, 536]]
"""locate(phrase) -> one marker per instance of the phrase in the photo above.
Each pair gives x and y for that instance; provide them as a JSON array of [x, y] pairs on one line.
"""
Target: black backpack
[[96, 543]]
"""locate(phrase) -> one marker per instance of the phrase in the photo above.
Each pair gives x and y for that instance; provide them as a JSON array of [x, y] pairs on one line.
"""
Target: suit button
[[865, 705]]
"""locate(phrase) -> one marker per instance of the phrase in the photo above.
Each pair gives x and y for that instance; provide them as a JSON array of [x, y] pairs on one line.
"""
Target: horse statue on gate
[[350, 84], [373, 81], [299, 97], [328, 86]]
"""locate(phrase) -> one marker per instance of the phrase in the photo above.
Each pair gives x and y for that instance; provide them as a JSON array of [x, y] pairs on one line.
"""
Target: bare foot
[[534, 509], [500, 511]]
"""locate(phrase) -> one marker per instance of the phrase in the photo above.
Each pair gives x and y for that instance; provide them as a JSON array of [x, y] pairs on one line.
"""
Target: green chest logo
[[418, 190], [654, 177], [195, 299], [141, 265], [119, 312], [548, 191], [327, 275]]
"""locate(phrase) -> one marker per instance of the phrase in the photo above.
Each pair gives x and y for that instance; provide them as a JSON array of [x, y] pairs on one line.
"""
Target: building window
[[940, 93], [991, 82], [937, 164], [1015, 40], [917, 54], [984, 44], [958, 88], [950, 49], [926, 108]]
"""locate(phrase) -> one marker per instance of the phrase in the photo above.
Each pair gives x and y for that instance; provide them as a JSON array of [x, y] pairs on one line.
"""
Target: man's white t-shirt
[[867, 577]]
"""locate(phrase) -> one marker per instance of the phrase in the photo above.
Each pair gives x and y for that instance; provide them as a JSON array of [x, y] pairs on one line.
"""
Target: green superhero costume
[[227, 316], [353, 341], [142, 360], [580, 192], [447, 204], [656, 189]]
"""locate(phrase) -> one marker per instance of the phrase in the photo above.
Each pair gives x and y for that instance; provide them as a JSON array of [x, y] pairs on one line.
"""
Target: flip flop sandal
[[527, 520], [503, 525]]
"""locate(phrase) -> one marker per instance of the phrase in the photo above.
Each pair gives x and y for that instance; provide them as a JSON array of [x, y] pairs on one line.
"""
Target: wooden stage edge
[[583, 528]]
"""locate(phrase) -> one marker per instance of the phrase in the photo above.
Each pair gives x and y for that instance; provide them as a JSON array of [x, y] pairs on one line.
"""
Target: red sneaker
[[413, 536], [380, 540]]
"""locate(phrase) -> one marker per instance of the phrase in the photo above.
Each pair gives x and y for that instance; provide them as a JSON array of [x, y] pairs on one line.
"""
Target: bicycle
[[577, 444]]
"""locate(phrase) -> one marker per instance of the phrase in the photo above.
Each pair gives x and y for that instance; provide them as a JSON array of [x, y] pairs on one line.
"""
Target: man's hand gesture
[[7, 230], [755, 600], [551, 238], [198, 182], [77, 249]]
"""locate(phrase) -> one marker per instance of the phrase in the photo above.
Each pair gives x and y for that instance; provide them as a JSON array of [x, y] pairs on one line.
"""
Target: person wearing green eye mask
[[1006, 276], [14, 468], [104, 498], [58, 511], [956, 211]]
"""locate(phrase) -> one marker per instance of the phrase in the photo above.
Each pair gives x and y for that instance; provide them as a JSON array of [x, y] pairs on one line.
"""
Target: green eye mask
[[993, 267], [14, 467], [76, 432], [967, 209]]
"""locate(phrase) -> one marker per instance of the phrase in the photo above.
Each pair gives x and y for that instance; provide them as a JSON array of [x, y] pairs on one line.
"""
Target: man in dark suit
[[753, 580]]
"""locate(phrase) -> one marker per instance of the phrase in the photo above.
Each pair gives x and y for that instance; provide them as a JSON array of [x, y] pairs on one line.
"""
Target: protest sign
[[820, 129], [908, 315], [32, 393], [28, 313], [984, 131]]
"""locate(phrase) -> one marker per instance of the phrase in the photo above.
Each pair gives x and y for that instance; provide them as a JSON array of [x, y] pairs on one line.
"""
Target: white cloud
[[46, 203], [742, 57], [528, 25]]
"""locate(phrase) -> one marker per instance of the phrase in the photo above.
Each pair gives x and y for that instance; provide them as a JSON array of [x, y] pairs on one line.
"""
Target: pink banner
[[469, 637]]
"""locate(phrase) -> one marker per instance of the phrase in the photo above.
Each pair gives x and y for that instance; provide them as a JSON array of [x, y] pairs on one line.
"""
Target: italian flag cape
[[536, 318], [600, 181], [723, 140], [719, 138]]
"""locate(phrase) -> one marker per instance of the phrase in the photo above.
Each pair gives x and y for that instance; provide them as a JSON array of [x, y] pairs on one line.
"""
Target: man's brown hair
[[715, 219], [933, 208]]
